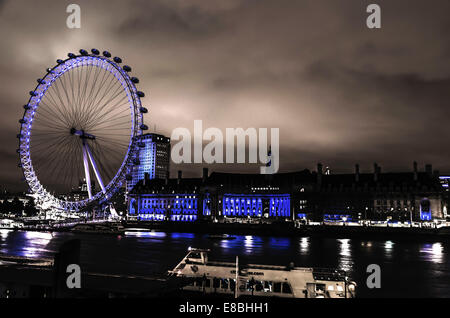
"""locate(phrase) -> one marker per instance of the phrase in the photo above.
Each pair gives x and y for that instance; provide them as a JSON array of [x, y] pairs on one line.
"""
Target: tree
[[30, 208], [16, 206]]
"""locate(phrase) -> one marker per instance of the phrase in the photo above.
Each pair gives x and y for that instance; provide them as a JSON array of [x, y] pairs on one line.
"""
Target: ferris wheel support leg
[[86, 170], [94, 165]]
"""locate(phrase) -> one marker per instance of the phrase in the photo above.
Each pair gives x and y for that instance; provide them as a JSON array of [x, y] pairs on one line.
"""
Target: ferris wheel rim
[[133, 95]]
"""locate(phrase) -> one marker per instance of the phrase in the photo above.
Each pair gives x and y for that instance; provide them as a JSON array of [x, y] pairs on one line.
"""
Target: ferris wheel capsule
[[71, 55], [83, 52], [117, 60], [140, 94], [135, 80], [95, 51], [106, 54], [126, 68]]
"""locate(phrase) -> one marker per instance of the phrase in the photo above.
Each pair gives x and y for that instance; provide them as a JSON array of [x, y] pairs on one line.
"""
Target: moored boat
[[231, 278], [221, 237], [98, 228]]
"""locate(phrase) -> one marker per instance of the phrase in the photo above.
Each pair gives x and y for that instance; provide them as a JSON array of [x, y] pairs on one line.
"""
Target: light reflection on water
[[388, 248], [27, 244], [433, 252], [304, 245], [345, 260], [148, 252]]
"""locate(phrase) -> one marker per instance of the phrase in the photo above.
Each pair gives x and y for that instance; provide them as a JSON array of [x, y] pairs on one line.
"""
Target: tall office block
[[154, 159]]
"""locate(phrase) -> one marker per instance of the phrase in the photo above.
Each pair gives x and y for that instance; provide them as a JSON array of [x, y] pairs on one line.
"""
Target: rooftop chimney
[[357, 172], [319, 174], [180, 173], [415, 171], [205, 174]]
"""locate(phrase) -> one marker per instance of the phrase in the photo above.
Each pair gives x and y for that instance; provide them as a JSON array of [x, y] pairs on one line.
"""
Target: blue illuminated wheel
[[78, 134]]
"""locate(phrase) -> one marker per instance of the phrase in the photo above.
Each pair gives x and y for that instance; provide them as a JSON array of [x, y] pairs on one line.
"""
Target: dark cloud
[[339, 92]]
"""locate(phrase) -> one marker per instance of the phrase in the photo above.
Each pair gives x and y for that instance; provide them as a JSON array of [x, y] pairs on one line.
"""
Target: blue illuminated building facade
[[167, 199], [256, 205], [303, 195], [163, 207]]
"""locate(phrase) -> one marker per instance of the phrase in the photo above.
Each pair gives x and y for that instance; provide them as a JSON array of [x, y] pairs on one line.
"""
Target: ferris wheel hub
[[81, 133]]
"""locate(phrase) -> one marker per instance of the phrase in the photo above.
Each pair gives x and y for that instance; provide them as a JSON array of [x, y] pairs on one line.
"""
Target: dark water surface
[[409, 268]]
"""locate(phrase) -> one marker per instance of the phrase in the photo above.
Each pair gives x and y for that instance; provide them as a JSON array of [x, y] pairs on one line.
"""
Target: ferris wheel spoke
[[46, 122], [115, 119], [53, 166], [112, 114], [54, 142], [99, 89], [102, 105], [67, 175], [79, 73], [44, 110], [52, 101], [85, 89], [93, 88], [60, 98], [65, 93], [71, 84], [61, 169], [66, 82], [110, 111], [115, 90], [111, 107], [107, 89]]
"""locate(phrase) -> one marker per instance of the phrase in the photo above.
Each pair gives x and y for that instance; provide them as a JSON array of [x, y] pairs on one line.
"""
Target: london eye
[[80, 129]]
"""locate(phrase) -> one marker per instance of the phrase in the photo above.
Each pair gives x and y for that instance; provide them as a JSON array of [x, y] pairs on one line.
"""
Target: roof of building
[[286, 181]]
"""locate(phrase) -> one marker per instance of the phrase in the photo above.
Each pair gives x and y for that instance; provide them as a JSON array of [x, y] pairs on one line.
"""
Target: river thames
[[409, 268]]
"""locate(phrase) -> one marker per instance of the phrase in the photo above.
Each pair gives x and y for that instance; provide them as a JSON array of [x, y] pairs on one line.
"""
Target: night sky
[[339, 92]]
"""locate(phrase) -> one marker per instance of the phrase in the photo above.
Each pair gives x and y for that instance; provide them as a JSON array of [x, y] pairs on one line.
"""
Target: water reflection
[[433, 252], [345, 253], [158, 251], [182, 235], [304, 245], [36, 243], [225, 244], [388, 248], [280, 243], [248, 243], [4, 234]]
